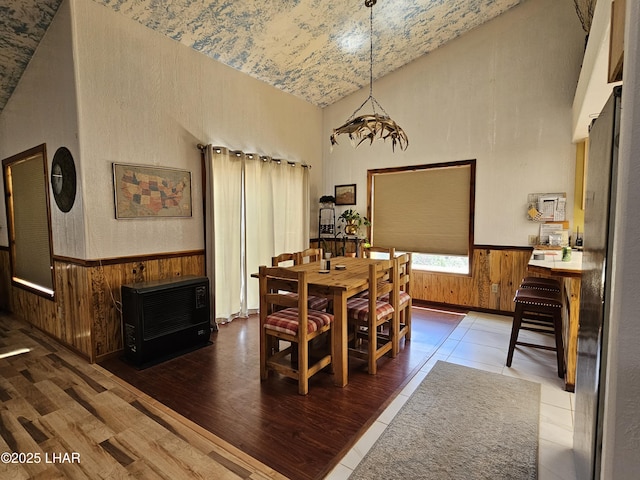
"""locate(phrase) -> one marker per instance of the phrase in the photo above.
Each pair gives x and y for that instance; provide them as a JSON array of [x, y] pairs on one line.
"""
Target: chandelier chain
[[371, 54], [371, 98], [371, 126]]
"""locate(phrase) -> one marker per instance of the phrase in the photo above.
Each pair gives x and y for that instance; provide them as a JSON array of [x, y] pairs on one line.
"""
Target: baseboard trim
[[459, 308]]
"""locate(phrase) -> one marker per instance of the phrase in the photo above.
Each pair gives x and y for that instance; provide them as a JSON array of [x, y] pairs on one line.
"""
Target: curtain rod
[[264, 158]]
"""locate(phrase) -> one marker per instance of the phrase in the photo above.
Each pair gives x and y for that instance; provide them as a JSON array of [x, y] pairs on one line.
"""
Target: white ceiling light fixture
[[373, 125]]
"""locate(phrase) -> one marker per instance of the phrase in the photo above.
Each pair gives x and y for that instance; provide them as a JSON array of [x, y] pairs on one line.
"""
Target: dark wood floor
[[303, 437]]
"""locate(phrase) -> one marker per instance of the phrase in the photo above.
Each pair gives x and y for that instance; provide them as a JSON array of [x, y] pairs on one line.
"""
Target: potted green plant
[[327, 200], [353, 221]]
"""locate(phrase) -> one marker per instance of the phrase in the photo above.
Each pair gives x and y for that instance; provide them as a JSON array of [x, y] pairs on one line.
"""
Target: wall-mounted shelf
[[546, 207]]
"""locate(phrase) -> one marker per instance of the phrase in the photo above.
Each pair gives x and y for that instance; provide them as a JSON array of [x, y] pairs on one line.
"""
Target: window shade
[[32, 254], [426, 210]]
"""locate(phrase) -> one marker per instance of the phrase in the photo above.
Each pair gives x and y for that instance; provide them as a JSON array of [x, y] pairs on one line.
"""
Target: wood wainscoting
[[85, 312], [490, 265]]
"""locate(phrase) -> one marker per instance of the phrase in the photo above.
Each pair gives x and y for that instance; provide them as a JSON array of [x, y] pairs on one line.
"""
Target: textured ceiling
[[315, 49]]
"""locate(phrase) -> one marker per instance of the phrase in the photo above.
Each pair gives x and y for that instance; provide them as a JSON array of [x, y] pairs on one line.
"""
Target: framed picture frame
[[143, 191], [345, 194]]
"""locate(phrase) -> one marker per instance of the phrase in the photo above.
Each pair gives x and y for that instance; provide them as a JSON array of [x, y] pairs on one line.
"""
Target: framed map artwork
[[149, 191]]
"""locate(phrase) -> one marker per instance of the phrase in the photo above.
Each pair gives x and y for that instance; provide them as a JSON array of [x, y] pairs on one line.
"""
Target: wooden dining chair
[[371, 251], [366, 316], [310, 255], [402, 325], [376, 252], [403, 289], [283, 317], [289, 259]]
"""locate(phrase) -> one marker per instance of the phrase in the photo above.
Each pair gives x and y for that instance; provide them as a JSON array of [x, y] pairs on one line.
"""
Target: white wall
[[147, 99], [593, 89], [501, 94], [43, 109], [621, 441]]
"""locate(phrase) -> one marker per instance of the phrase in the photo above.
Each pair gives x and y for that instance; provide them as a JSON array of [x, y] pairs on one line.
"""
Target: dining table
[[346, 277]]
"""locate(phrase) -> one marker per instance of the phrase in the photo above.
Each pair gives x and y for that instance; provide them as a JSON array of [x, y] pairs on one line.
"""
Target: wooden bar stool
[[541, 283], [538, 311]]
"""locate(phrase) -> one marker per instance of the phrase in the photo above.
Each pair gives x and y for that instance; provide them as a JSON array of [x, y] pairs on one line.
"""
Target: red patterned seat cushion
[[358, 308], [318, 303], [287, 321], [404, 297], [314, 303]]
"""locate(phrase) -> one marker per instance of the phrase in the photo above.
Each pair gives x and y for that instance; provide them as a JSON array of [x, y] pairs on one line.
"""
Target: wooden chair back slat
[[389, 252], [277, 261], [404, 285], [310, 255]]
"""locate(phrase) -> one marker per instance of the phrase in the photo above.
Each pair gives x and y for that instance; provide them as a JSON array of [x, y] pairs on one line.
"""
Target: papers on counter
[[553, 234]]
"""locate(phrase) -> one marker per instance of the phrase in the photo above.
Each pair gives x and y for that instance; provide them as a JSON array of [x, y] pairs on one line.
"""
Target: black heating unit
[[162, 319]]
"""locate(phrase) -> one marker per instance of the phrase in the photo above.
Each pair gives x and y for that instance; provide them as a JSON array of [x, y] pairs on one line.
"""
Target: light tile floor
[[481, 341]]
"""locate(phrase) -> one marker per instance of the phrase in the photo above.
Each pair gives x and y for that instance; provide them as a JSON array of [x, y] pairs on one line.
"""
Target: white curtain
[[260, 208], [259, 221], [223, 250]]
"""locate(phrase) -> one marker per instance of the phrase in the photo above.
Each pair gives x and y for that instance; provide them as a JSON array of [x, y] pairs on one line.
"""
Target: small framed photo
[[345, 194]]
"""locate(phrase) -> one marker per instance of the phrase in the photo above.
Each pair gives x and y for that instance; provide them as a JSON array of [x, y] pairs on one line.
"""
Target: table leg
[[340, 338]]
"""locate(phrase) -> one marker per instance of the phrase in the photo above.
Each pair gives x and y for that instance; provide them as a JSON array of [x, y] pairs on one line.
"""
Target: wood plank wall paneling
[[85, 313], [106, 282], [72, 315], [502, 266]]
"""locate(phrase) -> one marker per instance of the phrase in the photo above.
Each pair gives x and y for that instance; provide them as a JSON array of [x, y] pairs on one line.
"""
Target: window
[[25, 177], [427, 210]]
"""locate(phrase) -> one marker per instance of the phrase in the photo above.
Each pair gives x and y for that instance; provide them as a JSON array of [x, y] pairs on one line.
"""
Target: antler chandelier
[[374, 124]]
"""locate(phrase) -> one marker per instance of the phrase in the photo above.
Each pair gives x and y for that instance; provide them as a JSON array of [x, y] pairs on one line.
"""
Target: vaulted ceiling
[[315, 49]]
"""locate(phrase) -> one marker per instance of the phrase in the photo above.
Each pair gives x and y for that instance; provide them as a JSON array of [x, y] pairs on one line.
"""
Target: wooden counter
[[569, 274]]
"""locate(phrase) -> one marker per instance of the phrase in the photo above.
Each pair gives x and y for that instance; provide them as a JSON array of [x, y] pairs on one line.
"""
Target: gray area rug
[[460, 423]]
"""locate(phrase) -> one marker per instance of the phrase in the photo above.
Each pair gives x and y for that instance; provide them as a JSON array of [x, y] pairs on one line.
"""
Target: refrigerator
[[597, 264]]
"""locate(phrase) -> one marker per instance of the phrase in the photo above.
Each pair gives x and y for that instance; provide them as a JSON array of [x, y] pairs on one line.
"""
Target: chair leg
[[327, 346], [373, 347], [557, 324], [515, 329], [332, 347], [303, 368], [394, 332], [407, 318], [265, 351], [294, 355]]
